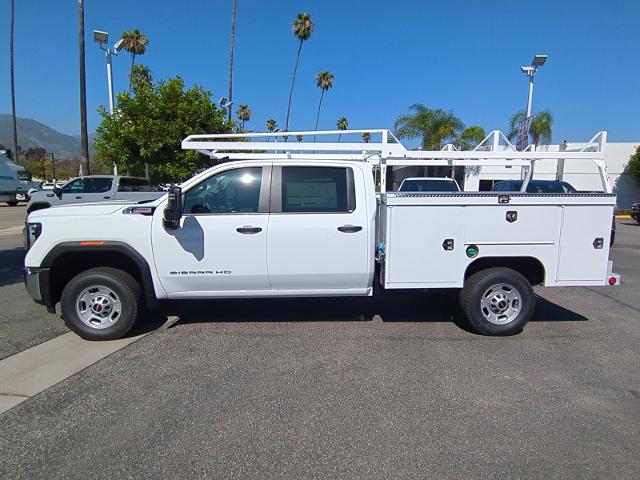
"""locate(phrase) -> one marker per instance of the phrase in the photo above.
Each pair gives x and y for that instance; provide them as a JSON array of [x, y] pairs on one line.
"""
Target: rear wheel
[[101, 303], [497, 301]]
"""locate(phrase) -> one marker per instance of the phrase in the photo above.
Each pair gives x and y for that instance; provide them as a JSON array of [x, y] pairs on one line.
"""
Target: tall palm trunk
[[16, 158], [293, 82], [133, 64], [84, 140], [233, 37], [318, 114]]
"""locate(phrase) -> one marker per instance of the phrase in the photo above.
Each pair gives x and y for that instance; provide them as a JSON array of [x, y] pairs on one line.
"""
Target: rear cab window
[[317, 190], [129, 184]]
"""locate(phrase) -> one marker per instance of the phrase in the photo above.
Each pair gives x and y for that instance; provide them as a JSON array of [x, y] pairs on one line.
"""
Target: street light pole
[[530, 99], [109, 79], [102, 38], [53, 167]]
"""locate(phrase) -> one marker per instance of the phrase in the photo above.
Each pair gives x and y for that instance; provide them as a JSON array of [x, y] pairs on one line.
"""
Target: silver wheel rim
[[501, 303], [98, 307]]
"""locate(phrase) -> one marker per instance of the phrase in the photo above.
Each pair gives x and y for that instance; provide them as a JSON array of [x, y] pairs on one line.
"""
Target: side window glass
[[97, 185], [317, 190], [76, 186], [233, 191]]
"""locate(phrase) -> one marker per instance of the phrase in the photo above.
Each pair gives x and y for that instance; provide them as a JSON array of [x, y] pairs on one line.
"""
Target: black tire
[[126, 290], [512, 284], [12, 204]]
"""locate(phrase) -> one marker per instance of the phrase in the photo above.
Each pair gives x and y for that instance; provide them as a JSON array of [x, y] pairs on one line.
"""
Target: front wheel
[[497, 301], [101, 303], [12, 203]]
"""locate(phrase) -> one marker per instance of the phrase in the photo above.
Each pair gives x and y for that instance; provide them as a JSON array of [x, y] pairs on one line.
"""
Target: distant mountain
[[32, 133]]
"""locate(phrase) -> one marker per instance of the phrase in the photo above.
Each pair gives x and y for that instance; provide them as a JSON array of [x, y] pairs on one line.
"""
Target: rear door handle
[[248, 230], [350, 228], [107, 198], [78, 198]]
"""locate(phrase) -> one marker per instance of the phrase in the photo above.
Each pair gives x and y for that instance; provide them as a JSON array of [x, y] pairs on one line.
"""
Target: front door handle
[[248, 230], [78, 198], [350, 228], [107, 198]]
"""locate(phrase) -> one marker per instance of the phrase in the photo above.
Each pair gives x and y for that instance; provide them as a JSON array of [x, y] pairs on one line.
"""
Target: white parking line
[[31, 371]]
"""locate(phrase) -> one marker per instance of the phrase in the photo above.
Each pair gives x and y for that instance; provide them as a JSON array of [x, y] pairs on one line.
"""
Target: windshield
[[24, 175], [429, 186]]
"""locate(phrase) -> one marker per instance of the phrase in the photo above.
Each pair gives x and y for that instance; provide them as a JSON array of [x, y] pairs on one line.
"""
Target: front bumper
[[36, 281]]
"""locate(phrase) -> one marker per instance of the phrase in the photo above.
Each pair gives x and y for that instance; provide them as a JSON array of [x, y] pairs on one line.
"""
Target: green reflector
[[472, 251]]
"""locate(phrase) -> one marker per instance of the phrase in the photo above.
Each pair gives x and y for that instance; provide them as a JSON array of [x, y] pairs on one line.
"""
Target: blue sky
[[462, 55]]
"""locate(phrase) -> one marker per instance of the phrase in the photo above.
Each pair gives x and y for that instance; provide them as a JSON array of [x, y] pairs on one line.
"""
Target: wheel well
[[531, 268], [69, 264]]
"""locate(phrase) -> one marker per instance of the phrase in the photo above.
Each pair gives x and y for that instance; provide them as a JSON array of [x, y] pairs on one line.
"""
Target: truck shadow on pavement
[[396, 308], [11, 262]]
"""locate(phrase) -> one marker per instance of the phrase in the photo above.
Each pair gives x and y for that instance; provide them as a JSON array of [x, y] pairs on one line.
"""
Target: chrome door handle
[[248, 230], [349, 228]]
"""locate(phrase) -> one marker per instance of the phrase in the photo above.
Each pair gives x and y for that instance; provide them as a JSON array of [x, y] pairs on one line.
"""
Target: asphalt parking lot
[[357, 388]]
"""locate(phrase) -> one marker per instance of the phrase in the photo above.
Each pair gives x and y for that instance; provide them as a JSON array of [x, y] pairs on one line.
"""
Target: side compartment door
[[221, 243], [318, 235]]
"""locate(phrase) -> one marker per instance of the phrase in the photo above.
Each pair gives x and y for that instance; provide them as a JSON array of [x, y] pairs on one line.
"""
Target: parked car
[[429, 184], [548, 186], [93, 188], [635, 212]]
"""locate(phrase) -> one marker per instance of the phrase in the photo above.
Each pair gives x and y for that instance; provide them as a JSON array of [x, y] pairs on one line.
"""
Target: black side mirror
[[57, 191], [173, 210]]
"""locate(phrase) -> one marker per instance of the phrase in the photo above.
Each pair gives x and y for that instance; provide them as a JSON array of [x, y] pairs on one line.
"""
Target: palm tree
[[272, 126], [136, 44], [324, 81], [13, 87], [342, 124], [141, 75], [84, 137], [366, 137], [299, 138], [433, 126], [539, 129], [233, 36], [243, 113], [302, 27]]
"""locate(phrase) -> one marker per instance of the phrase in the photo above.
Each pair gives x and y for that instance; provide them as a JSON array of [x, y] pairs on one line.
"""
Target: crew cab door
[[318, 237], [97, 189], [220, 247], [72, 192]]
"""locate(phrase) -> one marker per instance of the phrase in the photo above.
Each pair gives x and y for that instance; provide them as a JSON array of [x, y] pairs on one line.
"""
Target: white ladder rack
[[494, 150]]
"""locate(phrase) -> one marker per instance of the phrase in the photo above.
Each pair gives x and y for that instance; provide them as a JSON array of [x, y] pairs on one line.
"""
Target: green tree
[[324, 81], [302, 28], [141, 74], [432, 126], [470, 137], [634, 164], [244, 114], [366, 137], [540, 129], [136, 44], [151, 124], [299, 138], [342, 124]]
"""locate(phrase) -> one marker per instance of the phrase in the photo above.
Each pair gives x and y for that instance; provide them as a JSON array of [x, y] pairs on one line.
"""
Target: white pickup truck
[[304, 219]]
